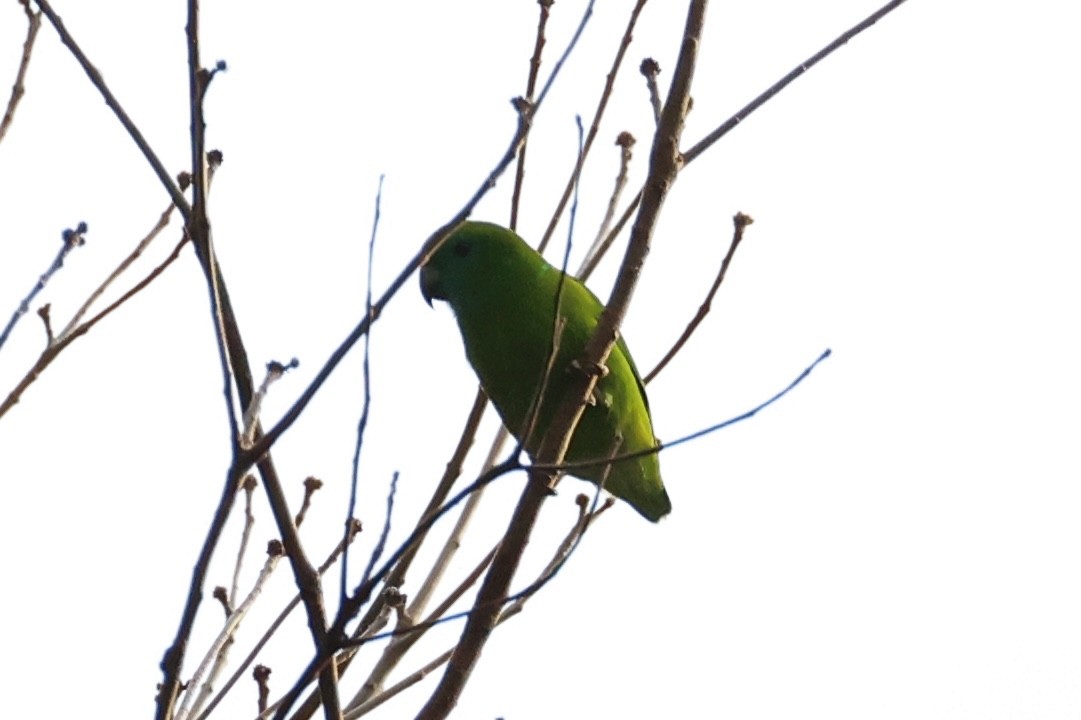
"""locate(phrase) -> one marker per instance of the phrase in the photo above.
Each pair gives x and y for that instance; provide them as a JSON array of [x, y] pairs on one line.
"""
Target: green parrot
[[503, 294]]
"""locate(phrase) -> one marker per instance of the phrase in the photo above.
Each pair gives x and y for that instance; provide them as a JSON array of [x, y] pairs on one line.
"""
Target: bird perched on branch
[[503, 294]]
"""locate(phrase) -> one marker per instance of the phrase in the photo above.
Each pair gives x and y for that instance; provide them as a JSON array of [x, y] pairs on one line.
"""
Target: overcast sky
[[896, 538]]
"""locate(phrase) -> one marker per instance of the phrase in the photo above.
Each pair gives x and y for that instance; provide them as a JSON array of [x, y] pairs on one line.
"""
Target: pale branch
[[395, 651], [603, 241], [273, 628], [248, 486], [197, 691], [274, 372], [454, 539]]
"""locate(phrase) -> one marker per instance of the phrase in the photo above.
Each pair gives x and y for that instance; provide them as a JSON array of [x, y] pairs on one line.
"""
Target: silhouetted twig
[[72, 239]]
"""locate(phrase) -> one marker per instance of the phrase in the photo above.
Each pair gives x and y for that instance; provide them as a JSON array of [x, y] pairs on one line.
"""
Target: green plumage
[[503, 294]]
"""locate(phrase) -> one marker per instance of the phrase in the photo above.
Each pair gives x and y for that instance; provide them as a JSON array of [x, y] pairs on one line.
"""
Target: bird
[[503, 295]]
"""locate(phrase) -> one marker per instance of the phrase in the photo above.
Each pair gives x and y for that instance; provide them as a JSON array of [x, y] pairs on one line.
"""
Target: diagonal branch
[[99, 82], [18, 89], [664, 166]]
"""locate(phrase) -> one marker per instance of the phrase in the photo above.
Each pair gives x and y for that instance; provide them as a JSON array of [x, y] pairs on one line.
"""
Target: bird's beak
[[429, 284]]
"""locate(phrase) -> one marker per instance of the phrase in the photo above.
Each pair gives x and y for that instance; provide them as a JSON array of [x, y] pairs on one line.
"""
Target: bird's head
[[475, 256]]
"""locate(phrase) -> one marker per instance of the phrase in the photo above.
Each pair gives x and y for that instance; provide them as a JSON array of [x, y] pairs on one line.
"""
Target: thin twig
[[650, 69], [99, 82], [366, 403], [52, 351], [583, 464], [312, 485], [394, 652], [124, 265], [530, 88], [586, 15], [702, 145], [71, 240], [740, 221], [18, 88], [625, 141], [381, 544], [602, 104], [274, 372], [248, 486]]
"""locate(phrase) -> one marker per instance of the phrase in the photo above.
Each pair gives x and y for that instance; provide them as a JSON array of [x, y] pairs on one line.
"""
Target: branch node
[[43, 313], [222, 597]]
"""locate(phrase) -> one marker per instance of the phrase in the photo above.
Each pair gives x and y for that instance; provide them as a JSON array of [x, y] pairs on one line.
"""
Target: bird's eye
[[461, 249]]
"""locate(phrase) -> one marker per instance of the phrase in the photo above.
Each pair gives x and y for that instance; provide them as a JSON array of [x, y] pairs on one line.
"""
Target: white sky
[[897, 538]]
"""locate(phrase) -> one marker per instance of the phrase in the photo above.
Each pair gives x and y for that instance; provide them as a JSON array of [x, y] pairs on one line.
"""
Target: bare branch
[[72, 239], [50, 353], [18, 89], [740, 221], [625, 141], [198, 692], [366, 403], [602, 105], [530, 88], [99, 82], [702, 145], [650, 69]]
